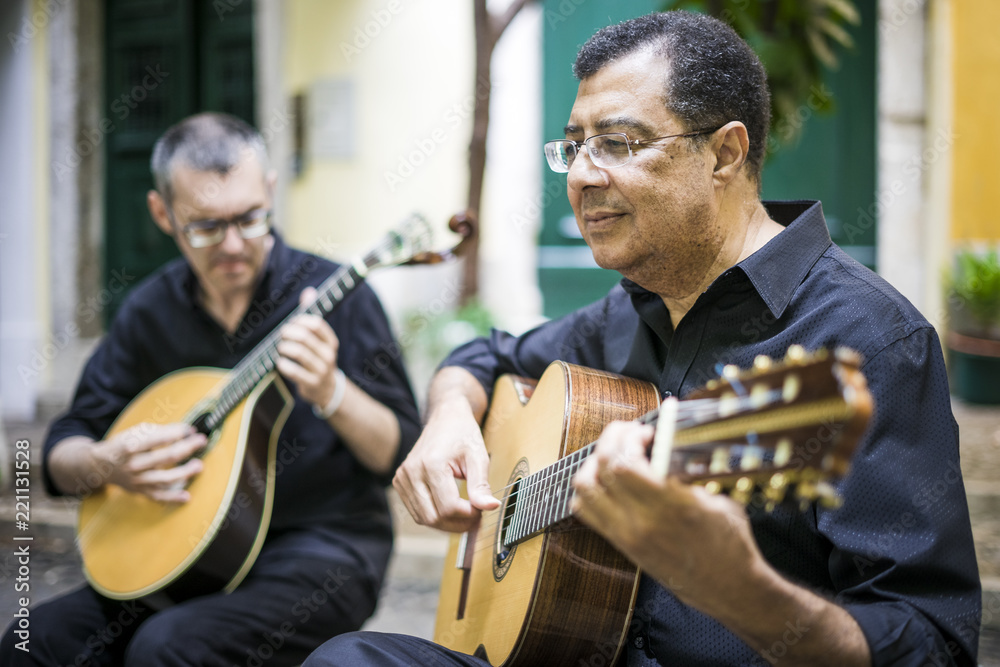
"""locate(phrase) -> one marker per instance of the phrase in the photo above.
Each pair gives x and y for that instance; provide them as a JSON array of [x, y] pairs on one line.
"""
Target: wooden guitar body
[[574, 592], [133, 546], [532, 586]]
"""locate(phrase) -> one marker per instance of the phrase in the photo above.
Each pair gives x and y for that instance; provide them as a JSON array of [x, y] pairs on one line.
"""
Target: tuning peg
[[783, 452], [807, 489], [762, 362], [714, 487], [760, 395], [790, 387], [720, 461], [828, 496], [729, 404], [796, 354], [752, 458], [730, 371], [775, 490], [742, 491], [846, 355]]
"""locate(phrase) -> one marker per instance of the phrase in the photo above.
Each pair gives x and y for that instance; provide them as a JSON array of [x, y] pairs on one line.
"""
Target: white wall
[[20, 329]]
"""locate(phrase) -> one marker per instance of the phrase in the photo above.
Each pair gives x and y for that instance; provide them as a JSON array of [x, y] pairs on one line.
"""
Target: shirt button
[[639, 642], [667, 394]]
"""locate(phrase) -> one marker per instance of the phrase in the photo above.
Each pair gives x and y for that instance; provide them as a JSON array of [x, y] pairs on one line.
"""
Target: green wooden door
[[164, 60], [833, 161], [567, 274]]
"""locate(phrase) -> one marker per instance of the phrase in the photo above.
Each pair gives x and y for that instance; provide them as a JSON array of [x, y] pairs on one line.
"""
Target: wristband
[[338, 397]]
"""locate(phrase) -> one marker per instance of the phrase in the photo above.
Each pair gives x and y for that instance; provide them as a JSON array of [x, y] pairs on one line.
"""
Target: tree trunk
[[488, 28]]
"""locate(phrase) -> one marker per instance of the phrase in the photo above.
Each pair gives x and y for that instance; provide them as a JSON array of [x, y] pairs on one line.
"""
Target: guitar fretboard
[[543, 498], [263, 359]]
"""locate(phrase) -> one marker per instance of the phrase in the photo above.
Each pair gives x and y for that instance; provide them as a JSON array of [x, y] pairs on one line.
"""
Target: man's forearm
[[369, 428], [73, 467], [790, 625], [454, 386]]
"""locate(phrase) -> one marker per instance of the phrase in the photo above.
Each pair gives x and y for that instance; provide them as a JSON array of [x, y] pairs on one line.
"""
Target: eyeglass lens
[[209, 232], [606, 150]]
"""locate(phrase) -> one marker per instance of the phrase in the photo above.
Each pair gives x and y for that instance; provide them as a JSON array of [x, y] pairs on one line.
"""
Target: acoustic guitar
[[533, 586], [133, 546]]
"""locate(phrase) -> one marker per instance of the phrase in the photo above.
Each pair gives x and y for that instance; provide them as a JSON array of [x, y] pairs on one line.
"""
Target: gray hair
[[210, 141], [714, 76]]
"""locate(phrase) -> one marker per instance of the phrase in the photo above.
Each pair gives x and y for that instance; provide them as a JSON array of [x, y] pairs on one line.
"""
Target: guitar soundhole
[[201, 423], [503, 545]]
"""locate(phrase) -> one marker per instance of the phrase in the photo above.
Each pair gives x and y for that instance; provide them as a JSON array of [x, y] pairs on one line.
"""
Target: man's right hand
[[451, 447], [152, 459]]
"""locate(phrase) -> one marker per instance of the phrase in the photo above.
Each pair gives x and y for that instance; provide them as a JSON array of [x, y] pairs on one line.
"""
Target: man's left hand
[[308, 354], [698, 545]]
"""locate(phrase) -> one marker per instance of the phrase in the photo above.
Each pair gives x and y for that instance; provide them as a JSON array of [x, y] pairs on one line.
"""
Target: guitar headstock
[[779, 428], [411, 238]]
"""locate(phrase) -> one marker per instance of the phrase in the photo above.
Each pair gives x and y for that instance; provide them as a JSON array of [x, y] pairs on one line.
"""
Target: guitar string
[[695, 413], [249, 371]]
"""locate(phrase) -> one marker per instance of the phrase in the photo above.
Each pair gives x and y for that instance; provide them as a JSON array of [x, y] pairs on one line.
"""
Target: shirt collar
[[777, 269]]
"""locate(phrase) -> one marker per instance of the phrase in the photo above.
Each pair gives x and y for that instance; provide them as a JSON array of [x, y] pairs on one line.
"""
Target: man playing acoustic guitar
[[663, 152], [327, 548]]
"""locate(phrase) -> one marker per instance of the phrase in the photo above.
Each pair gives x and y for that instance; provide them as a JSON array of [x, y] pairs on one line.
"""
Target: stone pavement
[[410, 596]]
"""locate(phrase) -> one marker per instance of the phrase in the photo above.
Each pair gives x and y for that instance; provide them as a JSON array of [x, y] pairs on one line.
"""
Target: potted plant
[[973, 340]]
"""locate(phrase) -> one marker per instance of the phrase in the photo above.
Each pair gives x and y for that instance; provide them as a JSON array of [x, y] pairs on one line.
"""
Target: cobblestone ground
[[410, 596]]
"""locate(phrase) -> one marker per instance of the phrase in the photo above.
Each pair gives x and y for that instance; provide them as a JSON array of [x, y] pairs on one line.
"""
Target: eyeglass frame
[[224, 224], [629, 143]]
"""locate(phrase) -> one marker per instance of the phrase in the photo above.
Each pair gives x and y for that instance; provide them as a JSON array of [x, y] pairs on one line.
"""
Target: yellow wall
[[411, 65], [975, 210]]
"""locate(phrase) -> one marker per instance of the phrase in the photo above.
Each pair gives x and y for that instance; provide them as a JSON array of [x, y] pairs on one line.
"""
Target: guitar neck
[[246, 375], [788, 427]]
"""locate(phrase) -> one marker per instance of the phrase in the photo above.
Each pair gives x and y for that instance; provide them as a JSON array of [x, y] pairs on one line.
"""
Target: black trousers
[[288, 605], [376, 648]]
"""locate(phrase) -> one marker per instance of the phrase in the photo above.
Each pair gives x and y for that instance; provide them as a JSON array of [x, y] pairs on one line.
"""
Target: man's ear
[[731, 145], [158, 210]]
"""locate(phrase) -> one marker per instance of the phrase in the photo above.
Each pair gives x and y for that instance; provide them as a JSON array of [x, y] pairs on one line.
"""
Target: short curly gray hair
[[715, 77], [210, 141]]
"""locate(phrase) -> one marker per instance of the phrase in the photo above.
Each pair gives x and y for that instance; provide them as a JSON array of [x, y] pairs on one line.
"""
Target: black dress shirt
[[898, 554], [322, 493]]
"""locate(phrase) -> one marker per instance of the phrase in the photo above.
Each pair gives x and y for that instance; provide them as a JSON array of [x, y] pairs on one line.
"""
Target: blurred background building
[[366, 106]]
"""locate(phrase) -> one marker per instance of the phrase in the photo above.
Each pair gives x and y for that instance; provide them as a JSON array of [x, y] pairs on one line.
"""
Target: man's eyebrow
[[615, 123], [255, 207], [624, 122]]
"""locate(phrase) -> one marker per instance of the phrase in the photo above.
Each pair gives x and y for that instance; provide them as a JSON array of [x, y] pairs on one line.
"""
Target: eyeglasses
[[606, 150], [205, 233]]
